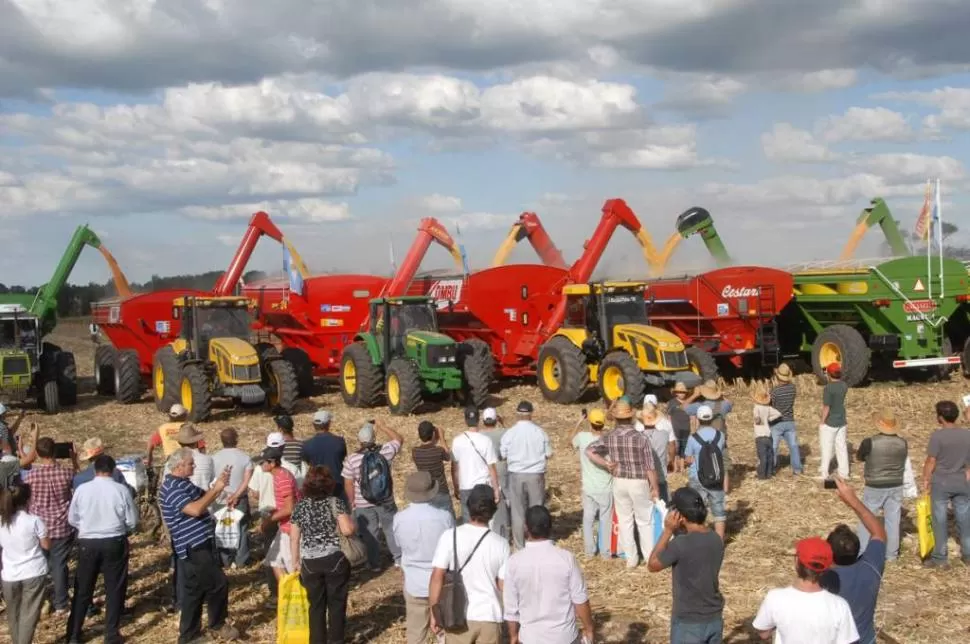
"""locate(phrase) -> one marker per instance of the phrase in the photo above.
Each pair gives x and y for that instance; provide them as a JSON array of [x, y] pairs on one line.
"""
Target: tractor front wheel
[[303, 368], [282, 390], [361, 381], [66, 369], [562, 372], [478, 371], [619, 376], [195, 393], [166, 378], [843, 344], [403, 387], [702, 363], [128, 385], [50, 399], [104, 369]]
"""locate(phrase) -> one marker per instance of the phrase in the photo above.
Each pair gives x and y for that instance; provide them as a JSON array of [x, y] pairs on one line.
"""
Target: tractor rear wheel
[[282, 390], [619, 375], [403, 387], [361, 381], [128, 385], [303, 368], [104, 369], [478, 371], [561, 371], [166, 378], [266, 350], [66, 369], [702, 363], [843, 344], [195, 392], [50, 400]]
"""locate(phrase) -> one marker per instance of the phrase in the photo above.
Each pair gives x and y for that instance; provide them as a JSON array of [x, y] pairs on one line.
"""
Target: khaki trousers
[[417, 619], [477, 633]]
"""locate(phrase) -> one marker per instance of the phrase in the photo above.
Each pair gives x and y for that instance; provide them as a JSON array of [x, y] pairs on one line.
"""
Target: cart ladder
[[767, 331]]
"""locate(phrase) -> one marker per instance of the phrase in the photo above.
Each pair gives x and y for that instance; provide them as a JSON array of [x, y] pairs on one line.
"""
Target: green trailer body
[[862, 314]]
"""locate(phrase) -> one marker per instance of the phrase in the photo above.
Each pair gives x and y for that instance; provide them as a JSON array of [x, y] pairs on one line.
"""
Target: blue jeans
[[785, 431], [598, 506], [941, 496], [890, 502], [696, 632]]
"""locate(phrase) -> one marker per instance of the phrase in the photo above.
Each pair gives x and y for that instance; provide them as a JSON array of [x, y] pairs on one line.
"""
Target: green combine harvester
[[30, 367], [404, 359]]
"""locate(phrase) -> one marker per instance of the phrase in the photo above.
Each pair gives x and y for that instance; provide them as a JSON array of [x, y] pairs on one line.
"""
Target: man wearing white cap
[[707, 466], [165, 435], [326, 449]]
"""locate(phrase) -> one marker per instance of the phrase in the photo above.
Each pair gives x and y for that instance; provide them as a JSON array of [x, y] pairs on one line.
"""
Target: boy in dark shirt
[[430, 457]]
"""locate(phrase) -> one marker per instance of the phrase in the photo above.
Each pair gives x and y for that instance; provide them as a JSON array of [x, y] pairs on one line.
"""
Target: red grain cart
[[727, 316]]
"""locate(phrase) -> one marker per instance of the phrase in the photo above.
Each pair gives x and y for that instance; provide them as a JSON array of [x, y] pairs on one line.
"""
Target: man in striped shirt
[[185, 510], [783, 429]]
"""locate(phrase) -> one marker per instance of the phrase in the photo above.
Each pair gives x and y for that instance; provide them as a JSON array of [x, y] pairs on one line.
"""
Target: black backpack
[[376, 484], [710, 462]]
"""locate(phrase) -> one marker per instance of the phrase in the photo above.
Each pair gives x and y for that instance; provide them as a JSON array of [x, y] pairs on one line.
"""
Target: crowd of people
[[489, 571]]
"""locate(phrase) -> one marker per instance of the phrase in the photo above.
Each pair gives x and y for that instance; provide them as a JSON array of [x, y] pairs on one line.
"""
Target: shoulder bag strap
[[472, 443], [469, 558], [454, 545]]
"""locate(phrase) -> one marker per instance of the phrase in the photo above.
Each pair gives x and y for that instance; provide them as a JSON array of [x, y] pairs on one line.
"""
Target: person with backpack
[[710, 394], [467, 573], [370, 488], [706, 470]]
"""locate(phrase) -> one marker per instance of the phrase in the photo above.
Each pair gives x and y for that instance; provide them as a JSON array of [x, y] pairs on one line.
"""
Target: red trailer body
[[728, 312]]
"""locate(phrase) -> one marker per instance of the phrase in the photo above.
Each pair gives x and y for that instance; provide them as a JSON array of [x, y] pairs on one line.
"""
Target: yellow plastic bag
[[924, 525], [293, 612]]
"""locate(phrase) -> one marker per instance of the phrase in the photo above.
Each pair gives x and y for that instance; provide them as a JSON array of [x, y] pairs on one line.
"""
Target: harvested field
[[765, 519]]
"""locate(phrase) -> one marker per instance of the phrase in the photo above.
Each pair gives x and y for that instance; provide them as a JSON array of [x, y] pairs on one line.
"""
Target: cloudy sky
[[166, 123]]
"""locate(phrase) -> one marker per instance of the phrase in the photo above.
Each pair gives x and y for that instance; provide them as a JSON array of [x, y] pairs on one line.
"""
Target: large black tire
[[166, 379], [128, 383], [50, 399], [965, 359], [561, 371], [404, 396], [478, 371], [944, 371], [66, 369], [266, 350], [361, 381], [303, 368], [195, 383], [282, 390], [149, 518], [852, 347], [104, 369], [619, 375], [702, 363]]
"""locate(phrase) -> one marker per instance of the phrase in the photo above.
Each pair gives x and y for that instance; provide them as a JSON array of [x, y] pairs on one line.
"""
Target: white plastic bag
[[227, 528], [910, 491], [659, 514]]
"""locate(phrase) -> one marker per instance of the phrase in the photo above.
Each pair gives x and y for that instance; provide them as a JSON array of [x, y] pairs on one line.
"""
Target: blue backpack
[[376, 484]]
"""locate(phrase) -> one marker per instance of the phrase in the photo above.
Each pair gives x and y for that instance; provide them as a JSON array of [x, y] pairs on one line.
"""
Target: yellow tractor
[[607, 339], [213, 358]]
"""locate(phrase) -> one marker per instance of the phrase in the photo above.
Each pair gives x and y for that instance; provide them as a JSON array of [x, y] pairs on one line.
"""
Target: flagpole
[[929, 251], [939, 232]]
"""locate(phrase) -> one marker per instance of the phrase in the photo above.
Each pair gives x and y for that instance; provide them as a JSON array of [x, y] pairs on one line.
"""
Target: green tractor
[[402, 355]]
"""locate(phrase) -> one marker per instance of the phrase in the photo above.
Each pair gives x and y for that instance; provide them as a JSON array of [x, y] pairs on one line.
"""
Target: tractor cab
[[20, 348], [207, 318], [403, 323]]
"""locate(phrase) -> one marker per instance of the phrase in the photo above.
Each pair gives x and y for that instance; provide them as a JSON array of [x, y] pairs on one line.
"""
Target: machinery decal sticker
[[512, 314], [114, 314], [334, 308], [722, 309], [162, 326], [919, 306], [730, 291], [331, 322], [444, 291], [919, 285]]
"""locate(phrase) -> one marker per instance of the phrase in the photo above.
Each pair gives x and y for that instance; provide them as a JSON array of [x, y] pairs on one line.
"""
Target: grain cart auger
[[402, 355], [213, 358], [528, 226], [877, 213], [607, 339], [29, 366], [692, 221]]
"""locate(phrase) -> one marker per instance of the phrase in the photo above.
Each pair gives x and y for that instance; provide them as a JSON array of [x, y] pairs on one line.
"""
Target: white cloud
[[866, 124], [301, 210], [915, 168], [703, 96], [953, 104], [809, 191], [820, 81], [786, 143], [440, 203]]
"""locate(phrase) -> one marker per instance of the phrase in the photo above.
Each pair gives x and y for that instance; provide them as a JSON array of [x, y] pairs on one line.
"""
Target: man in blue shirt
[[92, 448], [326, 449], [713, 498], [857, 579], [185, 510]]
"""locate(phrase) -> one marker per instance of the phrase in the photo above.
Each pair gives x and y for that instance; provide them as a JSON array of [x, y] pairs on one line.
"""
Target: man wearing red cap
[[805, 613], [832, 425]]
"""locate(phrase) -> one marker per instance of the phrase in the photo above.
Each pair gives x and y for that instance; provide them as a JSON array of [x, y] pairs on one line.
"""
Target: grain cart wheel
[[478, 370], [128, 386], [50, 399], [282, 390], [66, 370], [619, 375], [403, 387], [303, 368], [361, 381], [944, 371], [842, 344], [195, 393], [965, 359], [104, 370], [149, 517], [265, 350], [562, 372], [166, 378], [702, 363]]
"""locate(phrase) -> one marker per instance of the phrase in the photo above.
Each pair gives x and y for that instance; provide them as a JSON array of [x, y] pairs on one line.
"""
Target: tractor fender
[[373, 348]]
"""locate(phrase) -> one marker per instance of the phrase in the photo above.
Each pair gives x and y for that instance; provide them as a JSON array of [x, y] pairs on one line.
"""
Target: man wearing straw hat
[[783, 429], [680, 420], [627, 455], [884, 455], [658, 431], [91, 449]]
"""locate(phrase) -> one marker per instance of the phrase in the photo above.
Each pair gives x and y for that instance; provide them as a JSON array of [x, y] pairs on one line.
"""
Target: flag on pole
[[293, 268], [390, 248], [461, 249], [938, 222], [922, 229]]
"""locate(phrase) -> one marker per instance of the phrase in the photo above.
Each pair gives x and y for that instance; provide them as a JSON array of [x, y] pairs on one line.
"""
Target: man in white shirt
[[805, 613], [481, 558], [544, 589], [473, 461], [526, 448], [660, 433]]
